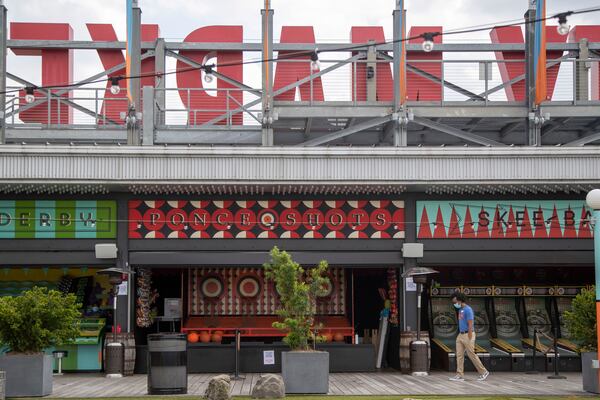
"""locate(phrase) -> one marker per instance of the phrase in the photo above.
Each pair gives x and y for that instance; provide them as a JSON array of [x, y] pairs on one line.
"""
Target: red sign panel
[[266, 219]]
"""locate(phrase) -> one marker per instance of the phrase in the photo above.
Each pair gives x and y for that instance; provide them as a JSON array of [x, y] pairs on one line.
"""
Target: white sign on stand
[[411, 286], [122, 289], [269, 357]]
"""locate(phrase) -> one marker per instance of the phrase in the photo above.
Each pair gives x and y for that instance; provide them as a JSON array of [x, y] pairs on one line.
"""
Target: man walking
[[465, 341]]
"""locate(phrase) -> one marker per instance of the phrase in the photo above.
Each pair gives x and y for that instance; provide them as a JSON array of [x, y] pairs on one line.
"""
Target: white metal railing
[[430, 83]]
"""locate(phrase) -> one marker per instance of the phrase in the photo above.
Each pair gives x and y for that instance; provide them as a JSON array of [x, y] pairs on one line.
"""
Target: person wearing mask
[[465, 341]]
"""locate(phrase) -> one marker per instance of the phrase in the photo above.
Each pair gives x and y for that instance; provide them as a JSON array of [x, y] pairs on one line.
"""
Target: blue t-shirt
[[465, 314]]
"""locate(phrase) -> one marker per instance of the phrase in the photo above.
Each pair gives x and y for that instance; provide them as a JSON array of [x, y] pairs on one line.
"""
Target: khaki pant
[[463, 344]]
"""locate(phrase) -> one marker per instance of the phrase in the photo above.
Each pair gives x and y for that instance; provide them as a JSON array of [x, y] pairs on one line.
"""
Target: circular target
[[445, 324], [507, 323], [267, 219], [248, 287], [327, 289], [211, 287]]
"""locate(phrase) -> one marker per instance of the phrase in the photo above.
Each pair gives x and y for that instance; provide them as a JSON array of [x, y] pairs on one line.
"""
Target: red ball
[[192, 337]]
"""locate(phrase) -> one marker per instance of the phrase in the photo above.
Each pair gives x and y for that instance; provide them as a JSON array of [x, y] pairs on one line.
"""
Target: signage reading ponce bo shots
[[267, 219]]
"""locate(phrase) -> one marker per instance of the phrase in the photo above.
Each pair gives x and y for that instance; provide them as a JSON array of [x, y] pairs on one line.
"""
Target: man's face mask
[[456, 305]]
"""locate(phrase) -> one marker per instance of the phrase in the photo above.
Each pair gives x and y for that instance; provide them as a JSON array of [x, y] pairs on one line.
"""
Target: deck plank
[[381, 383]]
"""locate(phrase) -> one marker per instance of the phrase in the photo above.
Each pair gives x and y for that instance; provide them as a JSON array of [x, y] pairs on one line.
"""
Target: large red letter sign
[[291, 70], [511, 69], [203, 106], [57, 69], [114, 104], [383, 73], [420, 88]]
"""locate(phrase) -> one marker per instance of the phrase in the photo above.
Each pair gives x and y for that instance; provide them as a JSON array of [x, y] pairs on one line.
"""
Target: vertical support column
[[125, 303], [134, 37], [371, 73], [534, 128], [148, 116], [409, 298], [159, 93], [400, 134], [3, 34], [582, 71], [267, 75]]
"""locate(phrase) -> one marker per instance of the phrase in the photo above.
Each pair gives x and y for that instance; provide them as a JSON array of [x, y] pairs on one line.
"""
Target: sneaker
[[457, 378], [483, 376]]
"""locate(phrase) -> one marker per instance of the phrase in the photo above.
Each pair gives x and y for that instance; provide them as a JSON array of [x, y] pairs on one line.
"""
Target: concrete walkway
[[383, 383]]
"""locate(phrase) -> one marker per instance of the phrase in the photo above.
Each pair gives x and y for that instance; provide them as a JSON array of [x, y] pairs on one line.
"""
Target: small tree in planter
[[303, 370], [36, 320], [582, 326]]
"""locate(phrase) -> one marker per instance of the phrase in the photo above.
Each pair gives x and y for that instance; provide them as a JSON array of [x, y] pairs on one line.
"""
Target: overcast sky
[[331, 19]]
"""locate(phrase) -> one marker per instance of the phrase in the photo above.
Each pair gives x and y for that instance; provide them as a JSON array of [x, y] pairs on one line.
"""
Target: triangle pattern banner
[[505, 219]]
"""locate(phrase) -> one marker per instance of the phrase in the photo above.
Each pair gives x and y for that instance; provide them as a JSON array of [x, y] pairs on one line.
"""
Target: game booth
[[221, 302], [92, 291], [515, 327]]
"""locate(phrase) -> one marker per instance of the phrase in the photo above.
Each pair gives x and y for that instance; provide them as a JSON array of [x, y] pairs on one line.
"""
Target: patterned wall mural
[[266, 219], [244, 291]]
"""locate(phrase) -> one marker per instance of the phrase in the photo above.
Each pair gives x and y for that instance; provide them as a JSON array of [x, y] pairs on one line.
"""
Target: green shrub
[[298, 290], [38, 319], [582, 320]]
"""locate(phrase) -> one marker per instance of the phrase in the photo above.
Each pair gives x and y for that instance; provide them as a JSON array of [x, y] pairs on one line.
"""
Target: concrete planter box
[[305, 372], [27, 375], [589, 375]]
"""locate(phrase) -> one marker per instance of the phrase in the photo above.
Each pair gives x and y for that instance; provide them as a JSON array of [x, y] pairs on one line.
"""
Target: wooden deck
[[383, 383]]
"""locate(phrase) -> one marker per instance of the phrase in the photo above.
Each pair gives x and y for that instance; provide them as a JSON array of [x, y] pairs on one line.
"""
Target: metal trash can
[[167, 363], [115, 360], [419, 358]]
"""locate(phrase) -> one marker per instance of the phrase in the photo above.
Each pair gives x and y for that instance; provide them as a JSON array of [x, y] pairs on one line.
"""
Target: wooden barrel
[[128, 340], [405, 338]]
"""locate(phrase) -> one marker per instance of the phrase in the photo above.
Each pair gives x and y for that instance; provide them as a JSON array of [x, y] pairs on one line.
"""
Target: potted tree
[[582, 326], [29, 324], [304, 370]]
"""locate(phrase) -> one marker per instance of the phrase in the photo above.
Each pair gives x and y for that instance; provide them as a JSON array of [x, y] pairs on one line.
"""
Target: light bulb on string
[[315, 64], [29, 96], [427, 44], [208, 74], [563, 28], [114, 85]]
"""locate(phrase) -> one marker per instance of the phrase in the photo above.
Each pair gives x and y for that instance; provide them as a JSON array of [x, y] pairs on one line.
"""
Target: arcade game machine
[[537, 314], [507, 331], [500, 360], [563, 302], [85, 354], [443, 331]]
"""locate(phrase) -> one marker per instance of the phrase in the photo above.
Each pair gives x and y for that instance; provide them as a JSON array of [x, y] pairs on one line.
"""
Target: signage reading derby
[[506, 219], [47, 219], [267, 219]]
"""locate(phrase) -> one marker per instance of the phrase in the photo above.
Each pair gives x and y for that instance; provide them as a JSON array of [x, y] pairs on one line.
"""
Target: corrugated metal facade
[[316, 165]]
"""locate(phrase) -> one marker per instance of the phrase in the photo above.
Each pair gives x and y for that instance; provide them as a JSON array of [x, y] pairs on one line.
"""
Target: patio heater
[[115, 351], [419, 349]]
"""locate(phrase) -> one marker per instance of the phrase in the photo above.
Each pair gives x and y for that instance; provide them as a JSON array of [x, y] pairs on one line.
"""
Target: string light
[[208, 73], [29, 96], [315, 64], [427, 44], [114, 85], [563, 28]]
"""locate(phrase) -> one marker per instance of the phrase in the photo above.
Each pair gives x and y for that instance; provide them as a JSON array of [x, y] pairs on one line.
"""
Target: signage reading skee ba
[[504, 219]]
